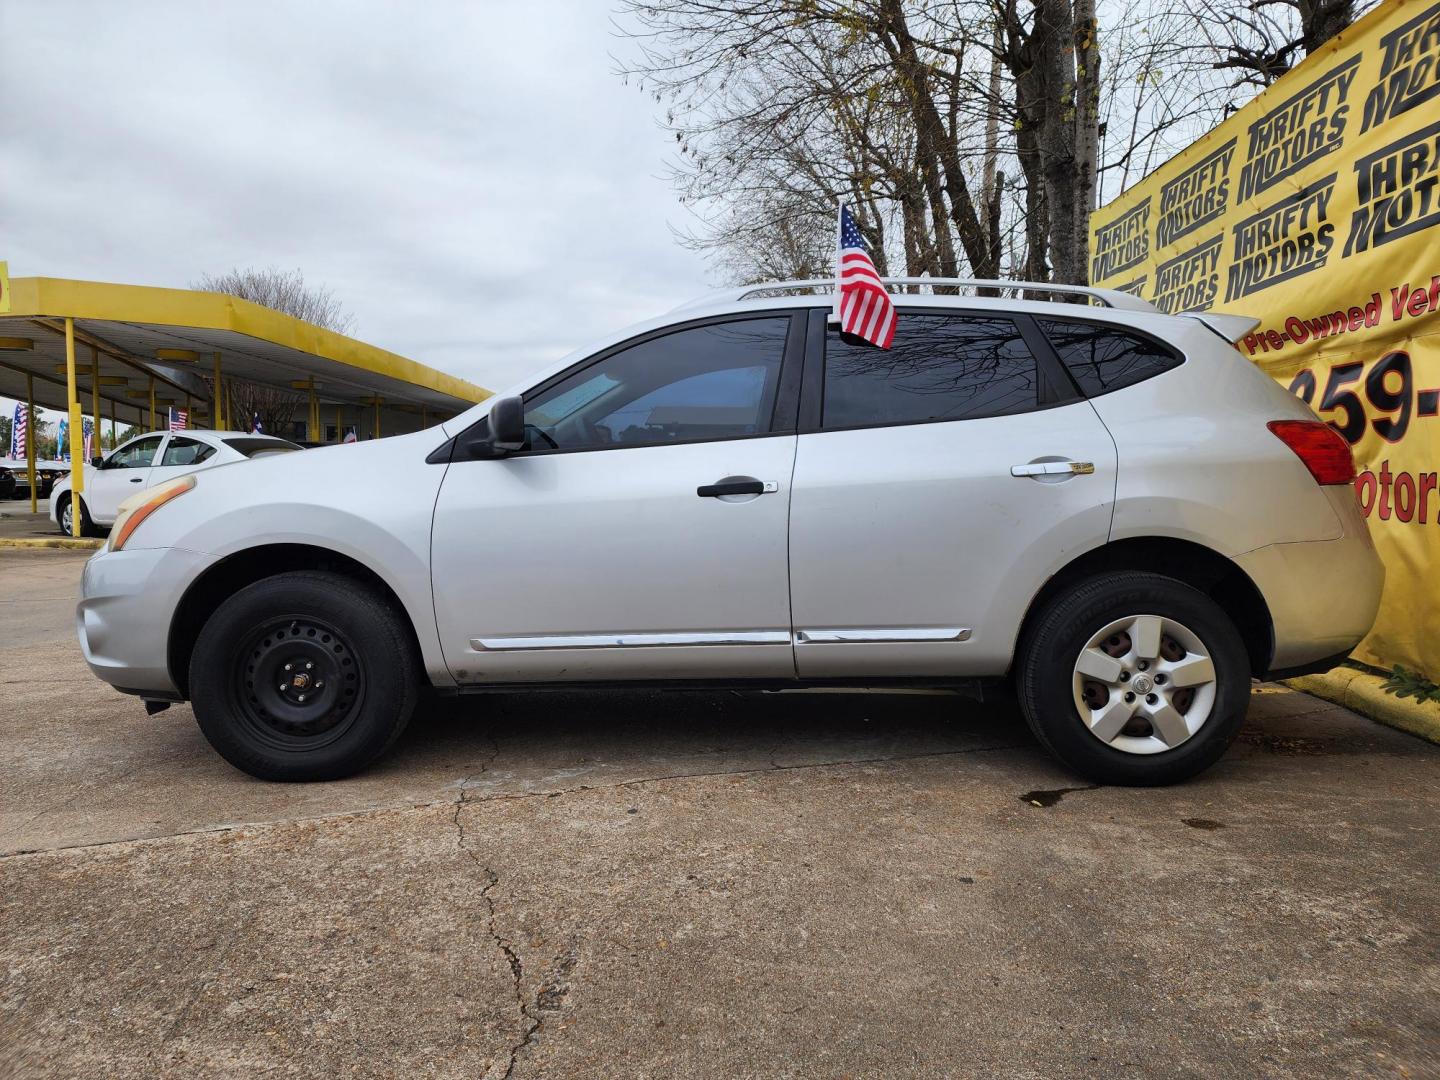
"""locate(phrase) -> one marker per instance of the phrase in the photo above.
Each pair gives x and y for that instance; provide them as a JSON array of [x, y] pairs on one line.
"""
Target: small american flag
[[20, 432], [862, 304], [179, 419], [87, 436], [255, 428]]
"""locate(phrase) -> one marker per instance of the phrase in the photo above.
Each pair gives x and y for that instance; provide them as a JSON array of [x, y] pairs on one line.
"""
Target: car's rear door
[[641, 535], [937, 486]]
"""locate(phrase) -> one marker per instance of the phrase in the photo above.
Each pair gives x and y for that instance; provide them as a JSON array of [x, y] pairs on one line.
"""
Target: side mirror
[[505, 430], [97, 462]]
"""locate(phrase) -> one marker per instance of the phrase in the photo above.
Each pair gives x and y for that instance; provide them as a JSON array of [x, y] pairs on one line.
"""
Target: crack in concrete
[[530, 1023], [558, 793]]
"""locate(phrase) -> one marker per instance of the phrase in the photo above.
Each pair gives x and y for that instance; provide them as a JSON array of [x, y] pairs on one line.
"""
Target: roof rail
[[1112, 298]]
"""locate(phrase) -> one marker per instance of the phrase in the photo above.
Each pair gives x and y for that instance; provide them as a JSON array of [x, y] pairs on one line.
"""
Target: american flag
[[87, 435], [255, 428], [179, 419], [20, 432], [862, 304]]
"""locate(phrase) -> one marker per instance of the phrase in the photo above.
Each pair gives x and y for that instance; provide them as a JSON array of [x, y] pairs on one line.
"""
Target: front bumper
[[1323, 596], [127, 599]]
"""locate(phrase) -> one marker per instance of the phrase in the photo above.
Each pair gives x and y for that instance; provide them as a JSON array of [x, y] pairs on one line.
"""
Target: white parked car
[[1107, 506], [147, 460]]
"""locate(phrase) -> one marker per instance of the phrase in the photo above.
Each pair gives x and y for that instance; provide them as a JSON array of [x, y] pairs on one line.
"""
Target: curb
[[50, 542], [1360, 691]]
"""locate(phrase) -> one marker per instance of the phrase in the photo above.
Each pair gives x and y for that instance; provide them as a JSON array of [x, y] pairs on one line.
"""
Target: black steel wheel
[[307, 675], [299, 685]]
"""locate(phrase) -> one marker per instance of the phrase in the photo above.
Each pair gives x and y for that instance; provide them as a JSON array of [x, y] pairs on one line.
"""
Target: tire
[[87, 526], [351, 687], [1163, 732]]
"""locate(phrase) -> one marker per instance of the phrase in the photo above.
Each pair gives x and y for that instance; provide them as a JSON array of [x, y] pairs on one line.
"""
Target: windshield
[[254, 447]]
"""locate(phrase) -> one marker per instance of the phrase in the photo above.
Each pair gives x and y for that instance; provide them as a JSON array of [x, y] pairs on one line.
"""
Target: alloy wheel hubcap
[[1144, 684]]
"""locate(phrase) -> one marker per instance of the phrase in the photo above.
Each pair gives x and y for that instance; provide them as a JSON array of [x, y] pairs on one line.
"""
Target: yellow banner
[[4, 288], [1317, 209]]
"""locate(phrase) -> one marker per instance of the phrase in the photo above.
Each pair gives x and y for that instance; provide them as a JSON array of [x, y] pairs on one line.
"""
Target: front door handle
[[137, 479], [736, 485], [1053, 468]]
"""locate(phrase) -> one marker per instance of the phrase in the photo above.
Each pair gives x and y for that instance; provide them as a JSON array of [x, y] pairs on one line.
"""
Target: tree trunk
[[1087, 129], [1320, 20], [1052, 72], [934, 144]]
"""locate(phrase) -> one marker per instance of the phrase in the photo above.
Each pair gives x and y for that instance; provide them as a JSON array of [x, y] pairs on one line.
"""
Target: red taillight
[[1320, 447]]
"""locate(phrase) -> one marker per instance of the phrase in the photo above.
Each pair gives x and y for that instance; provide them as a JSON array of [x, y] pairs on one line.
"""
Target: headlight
[[142, 504]]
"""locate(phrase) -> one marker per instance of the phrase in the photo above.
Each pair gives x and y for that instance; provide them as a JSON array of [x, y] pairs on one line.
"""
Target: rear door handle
[[736, 485], [1053, 468]]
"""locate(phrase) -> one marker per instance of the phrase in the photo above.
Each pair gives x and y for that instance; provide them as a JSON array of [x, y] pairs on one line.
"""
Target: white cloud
[[470, 179]]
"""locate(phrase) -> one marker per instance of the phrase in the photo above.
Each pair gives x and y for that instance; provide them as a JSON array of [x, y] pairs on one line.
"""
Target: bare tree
[[282, 290], [908, 109], [285, 291], [1252, 44], [968, 135]]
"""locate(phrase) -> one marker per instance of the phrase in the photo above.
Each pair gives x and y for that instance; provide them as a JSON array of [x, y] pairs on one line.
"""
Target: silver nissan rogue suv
[[1107, 506]]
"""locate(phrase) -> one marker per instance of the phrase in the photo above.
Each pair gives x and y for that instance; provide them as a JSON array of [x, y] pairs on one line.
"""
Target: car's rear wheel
[[308, 675], [67, 510], [1134, 678]]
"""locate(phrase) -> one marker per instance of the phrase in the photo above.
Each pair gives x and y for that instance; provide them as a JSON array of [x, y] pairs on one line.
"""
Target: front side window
[[939, 367], [182, 451], [136, 455], [1103, 358], [707, 382]]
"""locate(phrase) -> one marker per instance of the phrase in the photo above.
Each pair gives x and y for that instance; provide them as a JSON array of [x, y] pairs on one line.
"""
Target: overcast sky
[[470, 179]]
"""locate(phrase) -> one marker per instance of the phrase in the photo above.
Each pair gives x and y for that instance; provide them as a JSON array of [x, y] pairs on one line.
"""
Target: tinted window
[[939, 367], [1102, 358], [182, 451], [253, 447], [136, 455], [708, 382]]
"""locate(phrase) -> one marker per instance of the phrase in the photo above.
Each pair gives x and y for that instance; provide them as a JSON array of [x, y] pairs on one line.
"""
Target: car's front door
[[938, 484], [642, 532], [126, 471]]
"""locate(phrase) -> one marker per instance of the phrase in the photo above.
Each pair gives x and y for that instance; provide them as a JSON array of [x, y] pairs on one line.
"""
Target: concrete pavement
[[648, 885]]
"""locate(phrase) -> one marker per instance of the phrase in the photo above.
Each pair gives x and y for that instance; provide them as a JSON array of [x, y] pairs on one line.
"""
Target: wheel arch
[[247, 566], [1194, 564]]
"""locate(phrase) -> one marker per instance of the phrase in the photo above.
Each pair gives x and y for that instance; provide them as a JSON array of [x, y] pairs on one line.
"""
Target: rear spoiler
[[1230, 327]]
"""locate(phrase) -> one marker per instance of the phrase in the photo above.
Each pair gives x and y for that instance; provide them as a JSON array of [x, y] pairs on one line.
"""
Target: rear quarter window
[[1105, 358], [255, 447]]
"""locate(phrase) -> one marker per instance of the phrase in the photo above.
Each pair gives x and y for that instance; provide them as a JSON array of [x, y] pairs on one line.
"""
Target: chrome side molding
[[860, 636], [876, 635], [631, 641]]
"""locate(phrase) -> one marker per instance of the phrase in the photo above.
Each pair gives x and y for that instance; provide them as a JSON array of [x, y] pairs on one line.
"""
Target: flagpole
[[835, 302]]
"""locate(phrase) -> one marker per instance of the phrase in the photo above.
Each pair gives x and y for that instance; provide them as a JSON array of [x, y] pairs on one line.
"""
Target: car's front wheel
[[1134, 678], [308, 675], [66, 515]]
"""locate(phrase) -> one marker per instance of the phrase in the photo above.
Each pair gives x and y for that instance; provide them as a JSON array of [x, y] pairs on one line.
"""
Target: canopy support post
[[77, 440]]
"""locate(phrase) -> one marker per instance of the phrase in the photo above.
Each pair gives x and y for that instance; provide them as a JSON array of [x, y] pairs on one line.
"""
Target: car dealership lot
[[718, 884]]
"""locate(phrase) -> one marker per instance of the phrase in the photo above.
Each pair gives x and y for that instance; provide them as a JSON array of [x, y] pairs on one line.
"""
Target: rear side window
[[1103, 358], [255, 447], [940, 367], [183, 451]]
